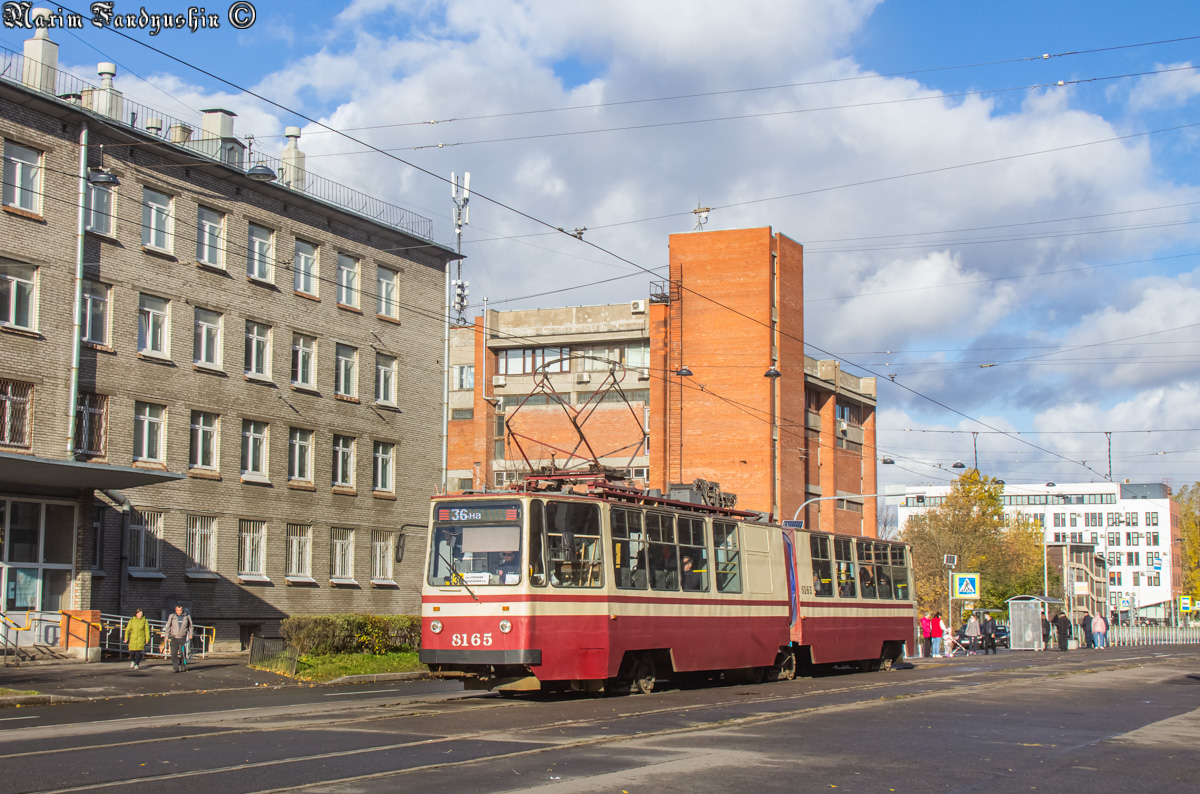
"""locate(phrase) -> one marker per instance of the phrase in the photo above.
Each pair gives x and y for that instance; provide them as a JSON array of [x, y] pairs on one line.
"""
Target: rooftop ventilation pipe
[[293, 161], [217, 140], [40, 68]]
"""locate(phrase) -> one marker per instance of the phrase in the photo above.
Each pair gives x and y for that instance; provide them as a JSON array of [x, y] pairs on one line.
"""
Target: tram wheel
[[784, 669], [644, 674]]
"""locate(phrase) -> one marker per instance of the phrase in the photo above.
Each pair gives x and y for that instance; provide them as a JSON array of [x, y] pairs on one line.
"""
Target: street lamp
[[684, 372], [772, 373]]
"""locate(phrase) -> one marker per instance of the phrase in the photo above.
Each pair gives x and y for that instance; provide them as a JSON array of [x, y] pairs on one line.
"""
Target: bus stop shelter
[[1025, 622]]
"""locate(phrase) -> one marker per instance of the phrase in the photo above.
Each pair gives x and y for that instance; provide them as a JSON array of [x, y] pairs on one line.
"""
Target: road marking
[[368, 692], [6, 719]]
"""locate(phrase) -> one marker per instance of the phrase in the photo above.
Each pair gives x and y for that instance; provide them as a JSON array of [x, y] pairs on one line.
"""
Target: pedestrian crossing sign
[[965, 585], [1185, 603]]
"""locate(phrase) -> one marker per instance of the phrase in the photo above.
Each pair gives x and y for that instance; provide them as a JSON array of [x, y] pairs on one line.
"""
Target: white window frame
[[18, 288], [304, 361], [22, 177], [346, 370], [258, 350], [158, 220], [149, 432], [200, 546], [205, 435], [343, 461], [347, 281], [255, 446], [300, 454], [383, 467], [386, 282], [382, 543], [298, 553], [153, 321], [206, 338], [252, 536], [385, 379], [464, 377], [341, 555], [260, 247], [94, 313], [145, 540], [305, 268], [100, 213], [210, 236]]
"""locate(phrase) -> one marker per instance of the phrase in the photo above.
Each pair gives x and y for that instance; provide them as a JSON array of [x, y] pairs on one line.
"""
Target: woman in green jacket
[[137, 634]]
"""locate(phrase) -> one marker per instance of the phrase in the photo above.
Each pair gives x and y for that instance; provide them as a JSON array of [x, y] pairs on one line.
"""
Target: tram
[[600, 587]]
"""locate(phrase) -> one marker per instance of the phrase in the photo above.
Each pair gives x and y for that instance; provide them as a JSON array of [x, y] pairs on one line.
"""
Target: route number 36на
[[470, 640]]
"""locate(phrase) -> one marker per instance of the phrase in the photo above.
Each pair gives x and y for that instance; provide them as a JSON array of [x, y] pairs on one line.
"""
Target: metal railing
[[122, 110], [274, 655], [112, 637], [1153, 635]]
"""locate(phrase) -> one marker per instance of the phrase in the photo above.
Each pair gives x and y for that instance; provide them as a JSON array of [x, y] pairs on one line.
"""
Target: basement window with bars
[[91, 421]]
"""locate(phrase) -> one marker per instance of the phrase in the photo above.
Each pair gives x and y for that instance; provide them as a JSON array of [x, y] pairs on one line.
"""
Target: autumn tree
[[1188, 498]]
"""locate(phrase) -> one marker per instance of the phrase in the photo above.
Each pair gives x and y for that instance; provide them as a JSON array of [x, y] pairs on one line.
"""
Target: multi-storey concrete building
[[253, 379], [716, 386], [1133, 527]]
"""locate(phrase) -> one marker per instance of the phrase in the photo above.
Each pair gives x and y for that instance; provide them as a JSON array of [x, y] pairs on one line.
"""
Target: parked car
[[1002, 639]]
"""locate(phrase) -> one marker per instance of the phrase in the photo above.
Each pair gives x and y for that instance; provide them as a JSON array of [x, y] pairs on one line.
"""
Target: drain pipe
[[126, 509], [77, 315]]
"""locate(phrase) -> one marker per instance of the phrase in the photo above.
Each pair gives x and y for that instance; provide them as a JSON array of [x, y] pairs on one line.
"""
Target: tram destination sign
[[483, 513]]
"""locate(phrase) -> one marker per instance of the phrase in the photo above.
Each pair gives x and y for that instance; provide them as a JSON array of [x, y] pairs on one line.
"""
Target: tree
[[1188, 498], [970, 524]]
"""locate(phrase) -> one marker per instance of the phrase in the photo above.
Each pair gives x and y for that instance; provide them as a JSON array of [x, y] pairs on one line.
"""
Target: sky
[[1017, 260]]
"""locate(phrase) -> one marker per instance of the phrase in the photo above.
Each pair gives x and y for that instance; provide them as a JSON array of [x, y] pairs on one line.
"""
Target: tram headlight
[[435, 626], [505, 626]]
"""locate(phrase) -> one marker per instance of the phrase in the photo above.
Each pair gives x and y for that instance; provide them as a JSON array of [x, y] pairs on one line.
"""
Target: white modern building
[[1133, 526]]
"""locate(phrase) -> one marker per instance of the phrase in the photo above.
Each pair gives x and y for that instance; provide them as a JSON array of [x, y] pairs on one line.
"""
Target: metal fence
[[1153, 635], [112, 637], [274, 655]]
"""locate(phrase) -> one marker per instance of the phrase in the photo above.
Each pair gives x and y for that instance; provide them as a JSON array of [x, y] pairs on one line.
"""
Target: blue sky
[[1048, 293]]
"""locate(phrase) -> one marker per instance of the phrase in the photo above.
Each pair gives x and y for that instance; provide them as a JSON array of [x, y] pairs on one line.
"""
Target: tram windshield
[[476, 543]]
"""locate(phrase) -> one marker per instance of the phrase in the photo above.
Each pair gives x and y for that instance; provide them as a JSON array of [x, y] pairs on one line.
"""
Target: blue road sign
[[790, 524], [965, 585]]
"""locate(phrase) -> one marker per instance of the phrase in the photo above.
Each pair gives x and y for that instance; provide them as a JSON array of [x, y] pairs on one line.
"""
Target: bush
[[377, 634]]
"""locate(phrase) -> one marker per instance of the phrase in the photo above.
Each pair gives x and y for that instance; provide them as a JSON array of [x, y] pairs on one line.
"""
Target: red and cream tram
[[610, 589]]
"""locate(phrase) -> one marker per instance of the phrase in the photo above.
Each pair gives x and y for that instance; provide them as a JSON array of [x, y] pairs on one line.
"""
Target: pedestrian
[[937, 630], [948, 640], [972, 632], [1087, 630], [1099, 631], [926, 636], [1063, 624], [178, 631], [137, 635], [988, 631], [1045, 633]]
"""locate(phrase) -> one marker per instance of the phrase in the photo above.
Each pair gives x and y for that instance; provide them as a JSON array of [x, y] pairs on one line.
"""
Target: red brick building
[[732, 310]]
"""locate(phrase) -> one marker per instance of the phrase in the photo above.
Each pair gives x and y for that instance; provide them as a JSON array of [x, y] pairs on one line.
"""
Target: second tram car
[[611, 589]]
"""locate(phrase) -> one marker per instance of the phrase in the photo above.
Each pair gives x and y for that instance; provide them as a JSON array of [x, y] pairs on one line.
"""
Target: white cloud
[[1170, 89]]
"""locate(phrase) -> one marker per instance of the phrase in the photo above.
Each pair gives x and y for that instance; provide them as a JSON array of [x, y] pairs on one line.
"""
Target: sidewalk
[[64, 681]]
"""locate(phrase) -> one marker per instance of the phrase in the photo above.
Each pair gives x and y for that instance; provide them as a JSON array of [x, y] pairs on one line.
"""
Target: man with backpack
[[178, 632]]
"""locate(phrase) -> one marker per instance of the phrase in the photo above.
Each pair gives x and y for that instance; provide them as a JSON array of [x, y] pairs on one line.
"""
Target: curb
[[373, 678], [37, 700]]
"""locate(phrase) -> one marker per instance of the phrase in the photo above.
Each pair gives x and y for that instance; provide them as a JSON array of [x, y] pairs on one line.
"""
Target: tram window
[[822, 570], [883, 571], [728, 558], [537, 536], [899, 574], [843, 553], [664, 554], [629, 549], [693, 549], [866, 573], [573, 542], [469, 554]]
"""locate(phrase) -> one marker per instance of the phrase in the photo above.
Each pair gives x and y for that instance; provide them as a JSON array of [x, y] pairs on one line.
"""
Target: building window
[[1152, 538], [98, 209], [341, 554], [298, 561], [22, 177], [16, 397], [148, 430], [304, 268], [1133, 538], [384, 467], [203, 454], [345, 377], [210, 231], [525, 361], [385, 379], [1151, 519], [251, 537], [385, 298], [201, 535], [300, 454], [152, 326], [343, 461], [381, 555], [98, 538], [260, 252], [304, 352], [464, 377], [157, 223], [258, 349], [347, 280], [94, 313], [462, 413], [206, 340], [18, 298], [254, 449], [91, 422], [852, 415], [145, 537]]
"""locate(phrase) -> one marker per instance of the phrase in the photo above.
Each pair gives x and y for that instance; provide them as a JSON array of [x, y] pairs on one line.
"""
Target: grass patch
[[325, 667], [6, 692]]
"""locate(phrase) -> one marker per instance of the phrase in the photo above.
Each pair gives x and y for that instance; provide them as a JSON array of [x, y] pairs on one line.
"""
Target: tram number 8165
[[470, 640]]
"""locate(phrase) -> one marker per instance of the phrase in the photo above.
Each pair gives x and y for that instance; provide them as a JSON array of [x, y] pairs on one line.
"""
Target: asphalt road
[[1114, 720]]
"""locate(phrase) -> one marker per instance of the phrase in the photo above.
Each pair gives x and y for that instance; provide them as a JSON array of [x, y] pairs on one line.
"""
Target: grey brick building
[[257, 422]]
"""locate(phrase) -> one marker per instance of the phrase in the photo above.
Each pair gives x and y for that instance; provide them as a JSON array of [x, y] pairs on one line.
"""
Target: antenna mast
[[460, 193]]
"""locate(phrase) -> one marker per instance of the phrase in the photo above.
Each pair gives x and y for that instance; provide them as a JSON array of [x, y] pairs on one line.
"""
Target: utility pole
[[460, 194]]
